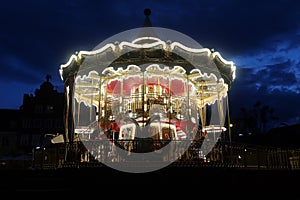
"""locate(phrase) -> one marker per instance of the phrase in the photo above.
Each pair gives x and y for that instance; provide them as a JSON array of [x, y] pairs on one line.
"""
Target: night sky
[[261, 37]]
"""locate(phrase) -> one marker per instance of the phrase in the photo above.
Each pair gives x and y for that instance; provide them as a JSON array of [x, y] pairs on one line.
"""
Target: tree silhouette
[[256, 119]]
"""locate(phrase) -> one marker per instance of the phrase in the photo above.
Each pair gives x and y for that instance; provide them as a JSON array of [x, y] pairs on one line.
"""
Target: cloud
[[261, 37], [19, 69], [271, 86]]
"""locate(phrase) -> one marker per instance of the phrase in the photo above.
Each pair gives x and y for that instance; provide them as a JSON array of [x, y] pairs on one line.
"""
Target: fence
[[231, 155]]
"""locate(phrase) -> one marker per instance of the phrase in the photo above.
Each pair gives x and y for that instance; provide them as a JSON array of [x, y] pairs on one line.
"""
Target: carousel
[[146, 84]]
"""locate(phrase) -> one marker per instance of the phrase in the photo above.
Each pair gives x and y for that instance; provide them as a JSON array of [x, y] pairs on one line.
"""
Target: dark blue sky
[[261, 37]]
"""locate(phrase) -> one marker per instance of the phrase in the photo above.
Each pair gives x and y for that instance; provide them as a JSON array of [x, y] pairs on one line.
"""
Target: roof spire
[[48, 77], [147, 30], [147, 22]]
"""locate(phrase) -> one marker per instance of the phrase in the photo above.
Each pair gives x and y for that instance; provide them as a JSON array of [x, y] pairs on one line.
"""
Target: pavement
[[176, 180]]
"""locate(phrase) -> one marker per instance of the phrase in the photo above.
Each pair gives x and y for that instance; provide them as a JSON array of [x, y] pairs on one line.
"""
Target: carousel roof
[[120, 55], [148, 50]]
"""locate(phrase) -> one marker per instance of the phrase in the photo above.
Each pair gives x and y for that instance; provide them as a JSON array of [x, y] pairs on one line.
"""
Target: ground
[[181, 180]]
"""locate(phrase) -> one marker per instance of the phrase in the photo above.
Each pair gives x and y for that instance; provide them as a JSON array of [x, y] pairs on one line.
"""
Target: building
[[39, 119], [9, 133], [41, 115]]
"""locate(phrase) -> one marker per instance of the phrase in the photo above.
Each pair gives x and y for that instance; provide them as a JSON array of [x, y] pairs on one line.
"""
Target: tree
[[256, 119]]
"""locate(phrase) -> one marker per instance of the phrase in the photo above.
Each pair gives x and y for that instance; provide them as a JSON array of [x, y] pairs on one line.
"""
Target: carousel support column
[[202, 107], [105, 106], [203, 115], [122, 103], [70, 112], [221, 124], [78, 112], [171, 153], [78, 120], [69, 123], [66, 135], [143, 98], [221, 115], [104, 119], [91, 117], [228, 116], [122, 109], [229, 127], [100, 145], [91, 112], [188, 128], [100, 102]]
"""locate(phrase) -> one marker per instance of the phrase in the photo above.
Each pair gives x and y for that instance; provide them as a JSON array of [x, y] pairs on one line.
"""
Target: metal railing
[[231, 155]]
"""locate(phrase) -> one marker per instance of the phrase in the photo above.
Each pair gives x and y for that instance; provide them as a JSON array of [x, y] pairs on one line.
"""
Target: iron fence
[[223, 154]]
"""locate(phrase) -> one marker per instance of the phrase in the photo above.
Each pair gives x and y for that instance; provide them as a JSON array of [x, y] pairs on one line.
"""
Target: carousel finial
[[147, 11]]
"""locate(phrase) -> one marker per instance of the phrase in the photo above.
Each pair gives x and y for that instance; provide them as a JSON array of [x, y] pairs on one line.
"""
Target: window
[[49, 109]]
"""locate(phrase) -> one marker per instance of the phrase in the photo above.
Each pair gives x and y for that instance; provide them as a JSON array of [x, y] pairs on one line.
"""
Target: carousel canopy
[[170, 64]]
